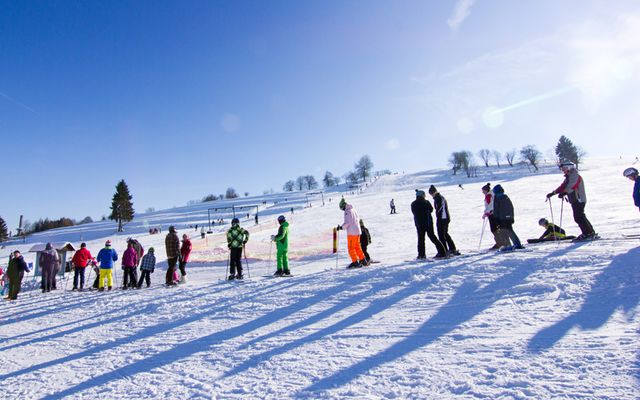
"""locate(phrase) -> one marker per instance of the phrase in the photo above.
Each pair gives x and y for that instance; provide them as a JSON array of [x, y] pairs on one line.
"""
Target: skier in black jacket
[[423, 220], [442, 221], [503, 212]]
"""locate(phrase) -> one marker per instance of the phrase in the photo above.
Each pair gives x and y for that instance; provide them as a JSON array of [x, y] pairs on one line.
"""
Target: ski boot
[[278, 273], [286, 272], [231, 277]]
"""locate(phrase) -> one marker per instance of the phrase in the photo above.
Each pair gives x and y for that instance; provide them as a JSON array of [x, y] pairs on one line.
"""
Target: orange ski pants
[[355, 252]]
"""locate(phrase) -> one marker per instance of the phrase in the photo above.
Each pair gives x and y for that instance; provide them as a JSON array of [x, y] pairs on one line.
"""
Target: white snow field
[[557, 320]]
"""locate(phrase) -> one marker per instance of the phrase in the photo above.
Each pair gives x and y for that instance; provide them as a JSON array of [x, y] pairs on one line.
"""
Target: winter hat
[[83, 245], [281, 219], [48, 246], [487, 187], [497, 189], [420, 193], [543, 222], [432, 189], [361, 222], [151, 250], [343, 204], [172, 228], [235, 221], [107, 243], [630, 172]]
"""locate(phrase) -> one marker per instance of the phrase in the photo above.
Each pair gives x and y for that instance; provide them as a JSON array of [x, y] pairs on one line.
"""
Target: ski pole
[[551, 210], [337, 249], [270, 246], [246, 261], [66, 282], [226, 273], [561, 211], [484, 224]]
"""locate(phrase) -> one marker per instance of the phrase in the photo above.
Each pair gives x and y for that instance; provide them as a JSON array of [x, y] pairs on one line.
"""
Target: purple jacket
[[351, 221], [130, 257]]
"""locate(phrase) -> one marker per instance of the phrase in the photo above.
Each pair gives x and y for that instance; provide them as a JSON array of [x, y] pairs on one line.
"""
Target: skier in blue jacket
[[106, 257], [632, 174]]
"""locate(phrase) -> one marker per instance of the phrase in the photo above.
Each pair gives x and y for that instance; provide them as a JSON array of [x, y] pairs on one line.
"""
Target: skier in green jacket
[[237, 237], [282, 245]]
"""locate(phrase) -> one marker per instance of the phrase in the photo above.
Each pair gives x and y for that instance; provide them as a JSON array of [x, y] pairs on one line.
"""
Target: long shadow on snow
[[186, 349], [616, 287], [375, 307], [144, 333], [466, 303]]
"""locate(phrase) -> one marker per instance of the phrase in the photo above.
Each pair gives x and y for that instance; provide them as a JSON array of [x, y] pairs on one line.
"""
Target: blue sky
[[182, 99]]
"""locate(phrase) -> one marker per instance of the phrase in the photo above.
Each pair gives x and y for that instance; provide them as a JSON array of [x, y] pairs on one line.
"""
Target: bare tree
[[287, 187], [230, 193], [459, 160], [485, 155], [310, 181], [328, 180], [363, 167], [497, 156], [300, 182], [351, 178], [510, 156], [532, 155]]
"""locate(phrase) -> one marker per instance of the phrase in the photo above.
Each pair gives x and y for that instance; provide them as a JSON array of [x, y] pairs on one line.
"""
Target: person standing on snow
[[573, 187], [237, 237], [139, 252], [632, 174], [106, 257], [488, 214], [185, 251], [505, 217], [443, 218], [49, 258], [365, 241], [129, 262], [172, 247], [15, 272], [147, 266], [422, 209], [80, 260], [392, 205], [282, 247], [352, 226]]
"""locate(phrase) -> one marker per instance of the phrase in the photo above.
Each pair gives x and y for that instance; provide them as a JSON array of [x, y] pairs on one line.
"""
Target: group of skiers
[[498, 211]]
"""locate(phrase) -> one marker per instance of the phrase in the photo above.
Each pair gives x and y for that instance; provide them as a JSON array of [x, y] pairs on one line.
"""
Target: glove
[[338, 227], [273, 238], [550, 195], [245, 242], [561, 195]]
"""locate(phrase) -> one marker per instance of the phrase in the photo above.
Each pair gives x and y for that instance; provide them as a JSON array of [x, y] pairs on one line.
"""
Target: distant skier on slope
[[573, 187], [632, 174], [237, 237], [443, 218], [352, 226], [282, 247], [505, 217], [422, 209], [392, 205]]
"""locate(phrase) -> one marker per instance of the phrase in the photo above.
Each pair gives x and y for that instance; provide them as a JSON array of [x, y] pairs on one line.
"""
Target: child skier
[[552, 231], [147, 266], [504, 214], [632, 174], [365, 241], [237, 237], [129, 262], [282, 247], [351, 225]]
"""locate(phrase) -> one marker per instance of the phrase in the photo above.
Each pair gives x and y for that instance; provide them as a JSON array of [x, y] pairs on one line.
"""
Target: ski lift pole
[[484, 224]]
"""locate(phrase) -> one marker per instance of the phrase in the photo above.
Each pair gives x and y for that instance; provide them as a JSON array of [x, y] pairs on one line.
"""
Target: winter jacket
[[16, 265], [365, 238], [502, 206], [636, 193], [488, 204], [573, 185], [237, 237], [49, 258], [130, 257], [81, 258], [185, 250], [441, 207], [351, 221], [148, 262], [106, 257], [553, 231], [172, 245], [282, 238], [422, 209]]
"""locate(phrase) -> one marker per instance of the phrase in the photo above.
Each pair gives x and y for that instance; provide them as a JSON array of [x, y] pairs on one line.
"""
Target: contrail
[[534, 99], [26, 107]]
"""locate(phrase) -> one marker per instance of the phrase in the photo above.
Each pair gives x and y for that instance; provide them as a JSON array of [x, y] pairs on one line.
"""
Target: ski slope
[[558, 320]]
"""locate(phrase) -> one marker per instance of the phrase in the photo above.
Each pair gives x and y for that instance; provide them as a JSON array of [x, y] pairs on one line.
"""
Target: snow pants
[[15, 282], [443, 235], [105, 274], [48, 278], [145, 276], [171, 268], [363, 246], [129, 277], [355, 252], [78, 275], [235, 263], [428, 231], [182, 265], [506, 233], [282, 256], [581, 218]]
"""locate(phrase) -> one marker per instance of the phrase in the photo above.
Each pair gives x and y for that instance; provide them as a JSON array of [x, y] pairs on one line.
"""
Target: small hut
[[61, 247]]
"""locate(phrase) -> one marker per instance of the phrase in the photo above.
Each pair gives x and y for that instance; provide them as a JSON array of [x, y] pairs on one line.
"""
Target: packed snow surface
[[557, 320]]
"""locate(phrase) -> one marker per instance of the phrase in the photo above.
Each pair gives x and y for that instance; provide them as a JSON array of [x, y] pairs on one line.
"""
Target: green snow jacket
[[237, 237], [282, 238]]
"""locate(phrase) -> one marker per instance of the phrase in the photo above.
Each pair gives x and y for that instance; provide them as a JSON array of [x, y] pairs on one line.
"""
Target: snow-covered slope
[[555, 321]]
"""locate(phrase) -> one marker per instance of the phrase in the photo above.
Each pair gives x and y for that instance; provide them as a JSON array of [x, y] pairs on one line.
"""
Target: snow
[[557, 321]]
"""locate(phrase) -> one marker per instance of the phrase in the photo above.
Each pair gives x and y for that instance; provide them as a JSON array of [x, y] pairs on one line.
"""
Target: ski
[[538, 241]]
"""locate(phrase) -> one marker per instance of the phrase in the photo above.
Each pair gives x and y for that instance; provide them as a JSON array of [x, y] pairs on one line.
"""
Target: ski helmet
[[543, 222], [281, 219], [630, 172], [343, 204], [235, 221], [567, 164]]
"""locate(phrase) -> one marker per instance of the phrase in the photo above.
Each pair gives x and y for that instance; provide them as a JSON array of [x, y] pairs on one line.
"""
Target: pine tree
[[4, 235], [567, 151], [121, 205]]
